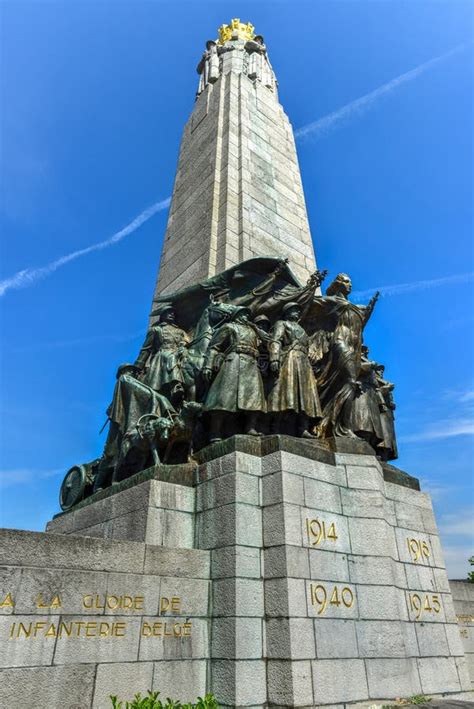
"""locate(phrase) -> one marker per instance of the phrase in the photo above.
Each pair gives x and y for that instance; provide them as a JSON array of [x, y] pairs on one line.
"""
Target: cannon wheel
[[73, 486]]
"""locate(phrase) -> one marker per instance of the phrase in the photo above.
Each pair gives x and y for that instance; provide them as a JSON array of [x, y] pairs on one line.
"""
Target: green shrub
[[152, 702]]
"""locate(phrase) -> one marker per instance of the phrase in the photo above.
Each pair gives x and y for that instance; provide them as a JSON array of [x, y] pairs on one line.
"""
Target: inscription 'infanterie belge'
[[96, 629]]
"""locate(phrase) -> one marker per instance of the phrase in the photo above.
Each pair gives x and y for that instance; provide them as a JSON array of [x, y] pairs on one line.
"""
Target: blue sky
[[94, 96]]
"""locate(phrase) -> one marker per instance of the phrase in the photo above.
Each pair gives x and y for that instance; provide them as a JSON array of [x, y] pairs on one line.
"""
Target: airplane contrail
[[402, 288], [29, 276], [359, 106]]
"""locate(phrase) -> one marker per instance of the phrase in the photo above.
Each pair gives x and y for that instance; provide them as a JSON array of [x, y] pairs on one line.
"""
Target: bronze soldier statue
[[337, 325], [131, 401], [294, 394], [387, 449], [366, 416], [237, 387], [162, 356]]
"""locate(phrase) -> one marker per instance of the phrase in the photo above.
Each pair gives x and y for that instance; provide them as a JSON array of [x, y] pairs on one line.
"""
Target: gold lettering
[[87, 602], [39, 625], [112, 602], [97, 604], [12, 629], [317, 531], [54, 603], [8, 601], [27, 632], [51, 632], [418, 550], [319, 595], [67, 630], [176, 604], [429, 603], [91, 629], [118, 628], [39, 602], [187, 627], [164, 604], [347, 597], [104, 629], [146, 630], [79, 625]]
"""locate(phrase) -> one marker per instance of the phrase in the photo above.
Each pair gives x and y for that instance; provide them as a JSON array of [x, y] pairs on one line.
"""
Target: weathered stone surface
[[190, 563], [290, 638], [438, 674], [383, 639], [154, 511], [122, 679], [181, 680], [241, 683], [339, 681], [329, 565], [392, 678], [236, 638], [49, 550], [289, 683], [235, 561], [238, 597], [45, 686], [335, 638]]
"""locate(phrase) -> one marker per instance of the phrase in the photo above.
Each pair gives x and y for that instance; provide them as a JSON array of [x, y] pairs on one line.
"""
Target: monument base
[[316, 579]]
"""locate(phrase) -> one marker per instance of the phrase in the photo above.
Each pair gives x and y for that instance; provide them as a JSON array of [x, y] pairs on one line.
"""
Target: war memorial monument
[[244, 531]]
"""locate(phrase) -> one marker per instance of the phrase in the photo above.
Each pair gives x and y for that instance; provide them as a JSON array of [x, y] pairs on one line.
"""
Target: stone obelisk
[[238, 192]]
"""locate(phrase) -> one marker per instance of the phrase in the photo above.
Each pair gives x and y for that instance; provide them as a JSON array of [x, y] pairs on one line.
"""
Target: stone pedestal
[[316, 579]]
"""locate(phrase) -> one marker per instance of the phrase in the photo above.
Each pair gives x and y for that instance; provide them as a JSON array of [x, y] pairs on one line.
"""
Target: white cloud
[[359, 106], [457, 560], [460, 523], [442, 429], [403, 288], [19, 476], [29, 276], [436, 490]]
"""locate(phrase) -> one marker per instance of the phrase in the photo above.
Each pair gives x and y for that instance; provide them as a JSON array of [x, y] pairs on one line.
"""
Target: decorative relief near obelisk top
[[252, 52]]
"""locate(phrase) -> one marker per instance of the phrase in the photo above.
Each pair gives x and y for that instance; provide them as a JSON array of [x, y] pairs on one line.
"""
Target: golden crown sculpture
[[226, 32]]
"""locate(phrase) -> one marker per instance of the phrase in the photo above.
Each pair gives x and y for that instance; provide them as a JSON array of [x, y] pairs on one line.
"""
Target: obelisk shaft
[[238, 191]]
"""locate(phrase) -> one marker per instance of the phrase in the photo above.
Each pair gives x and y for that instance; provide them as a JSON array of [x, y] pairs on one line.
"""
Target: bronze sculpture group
[[249, 351]]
